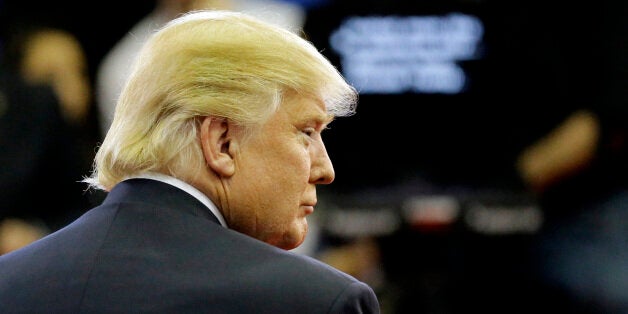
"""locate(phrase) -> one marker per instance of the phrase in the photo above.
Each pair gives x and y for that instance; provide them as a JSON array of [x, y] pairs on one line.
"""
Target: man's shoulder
[[294, 267], [290, 275]]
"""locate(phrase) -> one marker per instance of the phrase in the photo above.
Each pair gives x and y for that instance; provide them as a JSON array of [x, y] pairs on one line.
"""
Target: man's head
[[234, 106]]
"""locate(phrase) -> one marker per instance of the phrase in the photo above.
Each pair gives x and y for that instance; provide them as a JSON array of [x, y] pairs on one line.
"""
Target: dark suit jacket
[[151, 247]]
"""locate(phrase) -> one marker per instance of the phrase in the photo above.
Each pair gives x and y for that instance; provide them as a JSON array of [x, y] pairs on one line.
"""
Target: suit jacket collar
[[158, 193]]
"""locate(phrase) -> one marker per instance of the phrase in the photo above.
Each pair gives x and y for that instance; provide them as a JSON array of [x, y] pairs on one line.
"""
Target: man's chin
[[289, 241]]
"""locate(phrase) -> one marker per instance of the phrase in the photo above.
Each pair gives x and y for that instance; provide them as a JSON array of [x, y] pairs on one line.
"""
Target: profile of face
[[273, 188]]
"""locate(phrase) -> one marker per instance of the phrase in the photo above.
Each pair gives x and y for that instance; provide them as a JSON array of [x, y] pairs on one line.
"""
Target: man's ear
[[215, 143]]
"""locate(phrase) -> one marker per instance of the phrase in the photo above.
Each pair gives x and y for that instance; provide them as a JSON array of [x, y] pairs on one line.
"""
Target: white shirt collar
[[187, 188]]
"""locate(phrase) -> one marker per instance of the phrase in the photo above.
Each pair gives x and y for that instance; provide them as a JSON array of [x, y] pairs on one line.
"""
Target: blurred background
[[485, 169]]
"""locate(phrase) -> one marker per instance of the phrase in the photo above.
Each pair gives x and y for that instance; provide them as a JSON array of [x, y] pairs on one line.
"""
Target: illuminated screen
[[398, 54]]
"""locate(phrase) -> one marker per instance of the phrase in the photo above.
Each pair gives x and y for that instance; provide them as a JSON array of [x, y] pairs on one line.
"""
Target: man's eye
[[309, 131]]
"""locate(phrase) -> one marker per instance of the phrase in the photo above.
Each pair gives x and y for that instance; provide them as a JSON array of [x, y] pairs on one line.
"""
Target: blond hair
[[208, 63]]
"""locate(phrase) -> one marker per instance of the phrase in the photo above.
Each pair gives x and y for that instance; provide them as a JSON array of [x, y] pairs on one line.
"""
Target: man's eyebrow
[[319, 119], [323, 122]]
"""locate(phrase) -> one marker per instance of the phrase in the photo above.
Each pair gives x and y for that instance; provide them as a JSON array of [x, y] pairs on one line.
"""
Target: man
[[211, 164]]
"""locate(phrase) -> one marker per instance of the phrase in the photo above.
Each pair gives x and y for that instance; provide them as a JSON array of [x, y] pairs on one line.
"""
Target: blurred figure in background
[[55, 57], [579, 173], [45, 97], [48, 55], [579, 170], [115, 66]]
